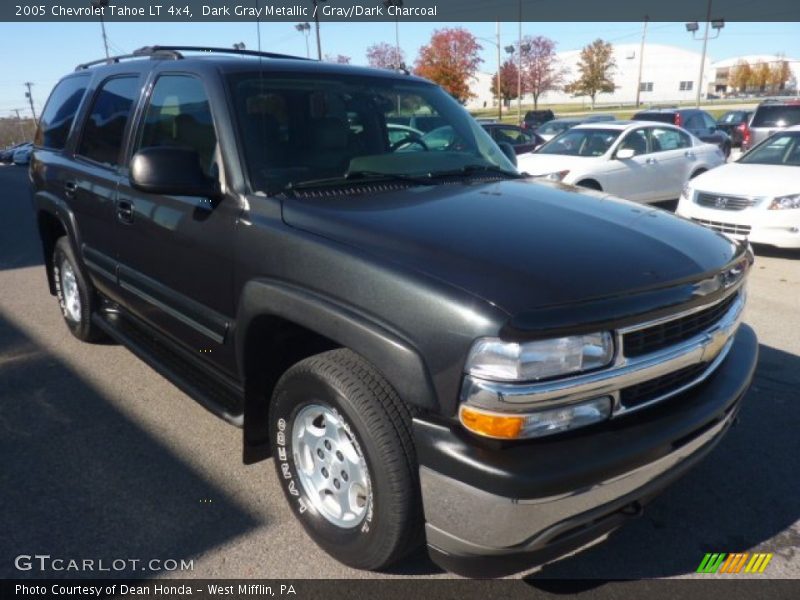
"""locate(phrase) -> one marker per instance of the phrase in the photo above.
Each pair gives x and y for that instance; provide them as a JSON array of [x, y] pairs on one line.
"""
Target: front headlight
[[557, 176], [496, 360], [785, 202]]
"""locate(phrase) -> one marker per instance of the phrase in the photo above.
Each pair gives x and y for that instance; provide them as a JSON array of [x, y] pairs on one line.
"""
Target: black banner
[[705, 587], [400, 10]]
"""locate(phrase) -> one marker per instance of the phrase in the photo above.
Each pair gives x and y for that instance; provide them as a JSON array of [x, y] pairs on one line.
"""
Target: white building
[[669, 75]]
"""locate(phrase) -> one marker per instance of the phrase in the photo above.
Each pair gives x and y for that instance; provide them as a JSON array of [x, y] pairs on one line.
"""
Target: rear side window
[[105, 127], [776, 116], [59, 113]]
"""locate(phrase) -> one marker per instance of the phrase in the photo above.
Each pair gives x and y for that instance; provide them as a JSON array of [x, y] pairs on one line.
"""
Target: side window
[[637, 141], [663, 139], [509, 135], [105, 127], [59, 113], [178, 114]]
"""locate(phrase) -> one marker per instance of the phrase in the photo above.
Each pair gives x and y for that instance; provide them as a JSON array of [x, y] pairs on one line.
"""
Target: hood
[[541, 164], [739, 179], [519, 244]]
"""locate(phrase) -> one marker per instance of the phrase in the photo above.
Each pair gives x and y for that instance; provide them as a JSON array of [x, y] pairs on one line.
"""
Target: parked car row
[[18, 154]]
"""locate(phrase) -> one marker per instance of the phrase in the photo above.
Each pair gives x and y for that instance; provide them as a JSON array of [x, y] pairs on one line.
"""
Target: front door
[[176, 252]]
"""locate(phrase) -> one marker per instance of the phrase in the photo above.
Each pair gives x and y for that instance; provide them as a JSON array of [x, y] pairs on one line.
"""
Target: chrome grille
[[648, 391], [669, 333], [724, 202], [733, 228]]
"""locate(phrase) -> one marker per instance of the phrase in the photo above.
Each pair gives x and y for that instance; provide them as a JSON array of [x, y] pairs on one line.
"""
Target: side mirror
[[625, 153], [508, 150], [171, 171]]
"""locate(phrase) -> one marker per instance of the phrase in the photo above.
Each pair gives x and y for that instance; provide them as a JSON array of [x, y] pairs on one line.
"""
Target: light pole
[[101, 4], [305, 29], [499, 92], [641, 61], [692, 28], [316, 22], [398, 4]]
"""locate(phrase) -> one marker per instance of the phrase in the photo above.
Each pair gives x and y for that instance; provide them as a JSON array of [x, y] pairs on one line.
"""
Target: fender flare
[[395, 357], [45, 202]]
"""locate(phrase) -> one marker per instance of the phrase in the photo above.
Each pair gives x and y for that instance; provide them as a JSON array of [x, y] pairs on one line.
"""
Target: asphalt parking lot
[[103, 458]]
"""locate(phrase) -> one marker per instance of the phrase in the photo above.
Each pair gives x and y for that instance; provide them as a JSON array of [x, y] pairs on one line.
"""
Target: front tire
[[75, 294], [341, 440]]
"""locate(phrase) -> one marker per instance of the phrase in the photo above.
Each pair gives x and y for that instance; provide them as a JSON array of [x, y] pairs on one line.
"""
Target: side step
[[223, 400]]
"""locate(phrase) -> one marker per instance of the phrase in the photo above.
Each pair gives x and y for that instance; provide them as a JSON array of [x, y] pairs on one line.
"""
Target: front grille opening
[[733, 228], [646, 391], [651, 339]]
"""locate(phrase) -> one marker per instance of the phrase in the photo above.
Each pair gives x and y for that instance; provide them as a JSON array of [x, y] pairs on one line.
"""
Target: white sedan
[[756, 197], [645, 162]]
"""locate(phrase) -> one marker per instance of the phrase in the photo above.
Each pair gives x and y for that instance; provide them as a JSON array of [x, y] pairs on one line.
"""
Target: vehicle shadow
[[19, 240], [773, 252], [80, 480], [740, 497]]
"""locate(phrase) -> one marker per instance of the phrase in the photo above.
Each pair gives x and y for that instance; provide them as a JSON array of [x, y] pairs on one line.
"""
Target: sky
[[44, 52]]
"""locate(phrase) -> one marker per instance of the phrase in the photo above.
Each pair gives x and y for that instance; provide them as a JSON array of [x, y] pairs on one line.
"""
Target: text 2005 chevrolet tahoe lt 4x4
[[430, 346]]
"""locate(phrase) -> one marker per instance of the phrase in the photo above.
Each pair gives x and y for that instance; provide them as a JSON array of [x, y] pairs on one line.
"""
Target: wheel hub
[[70, 293], [330, 467]]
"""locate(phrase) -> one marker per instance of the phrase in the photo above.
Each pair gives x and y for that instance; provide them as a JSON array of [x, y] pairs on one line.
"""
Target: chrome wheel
[[330, 466], [70, 293]]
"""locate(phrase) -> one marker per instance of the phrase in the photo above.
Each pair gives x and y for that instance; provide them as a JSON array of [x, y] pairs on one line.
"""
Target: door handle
[[125, 212], [70, 187], [689, 154]]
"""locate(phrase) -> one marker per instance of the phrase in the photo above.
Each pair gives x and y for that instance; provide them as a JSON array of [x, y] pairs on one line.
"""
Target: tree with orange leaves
[[450, 59]]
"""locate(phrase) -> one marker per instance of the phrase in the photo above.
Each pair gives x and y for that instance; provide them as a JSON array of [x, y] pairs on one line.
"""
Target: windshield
[[301, 130], [731, 117], [581, 142], [555, 127], [781, 149]]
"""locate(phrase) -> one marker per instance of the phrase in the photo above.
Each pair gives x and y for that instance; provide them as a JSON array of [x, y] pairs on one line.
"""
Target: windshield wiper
[[361, 176], [472, 169]]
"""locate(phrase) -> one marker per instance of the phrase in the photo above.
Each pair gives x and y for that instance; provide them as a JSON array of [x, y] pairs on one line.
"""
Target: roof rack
[[176, 53]]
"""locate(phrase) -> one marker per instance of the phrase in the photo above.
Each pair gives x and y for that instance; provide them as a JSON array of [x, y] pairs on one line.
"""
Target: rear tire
[[76, 296], [341, 439]]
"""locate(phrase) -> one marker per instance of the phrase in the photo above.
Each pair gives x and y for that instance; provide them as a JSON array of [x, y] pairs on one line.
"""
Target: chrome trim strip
[[466, 520], [709, 346]]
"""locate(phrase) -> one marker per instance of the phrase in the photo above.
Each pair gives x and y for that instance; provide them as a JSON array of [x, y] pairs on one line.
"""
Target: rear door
[[176, 252], [91, 184]]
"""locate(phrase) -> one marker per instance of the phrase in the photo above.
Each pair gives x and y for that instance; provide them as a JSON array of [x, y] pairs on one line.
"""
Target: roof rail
[[175, 53]]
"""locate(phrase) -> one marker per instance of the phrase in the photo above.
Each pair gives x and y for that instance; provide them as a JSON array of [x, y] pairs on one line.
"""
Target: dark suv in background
[[430, 347], [736, 124], [769, 117], [697, 122], [533, 119]]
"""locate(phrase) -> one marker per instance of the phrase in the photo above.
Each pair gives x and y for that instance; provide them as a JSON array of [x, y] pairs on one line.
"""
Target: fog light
[[540, 423]]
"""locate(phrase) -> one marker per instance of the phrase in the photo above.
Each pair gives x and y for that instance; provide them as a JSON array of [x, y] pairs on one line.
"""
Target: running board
[[216, 397]]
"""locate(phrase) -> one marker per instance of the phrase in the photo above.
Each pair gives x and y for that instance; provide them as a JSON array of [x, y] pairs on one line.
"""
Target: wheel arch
[[279, 324], [53, 220]]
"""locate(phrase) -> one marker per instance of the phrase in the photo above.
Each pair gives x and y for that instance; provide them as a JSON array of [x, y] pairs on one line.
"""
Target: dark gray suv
[[431, 348]]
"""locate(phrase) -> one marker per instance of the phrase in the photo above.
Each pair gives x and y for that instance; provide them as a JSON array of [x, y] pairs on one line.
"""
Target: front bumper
[[780, 228], [493, 509]]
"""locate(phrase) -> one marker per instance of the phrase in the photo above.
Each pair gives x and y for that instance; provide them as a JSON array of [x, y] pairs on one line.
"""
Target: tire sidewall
[[61, 254], [350, 545]]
